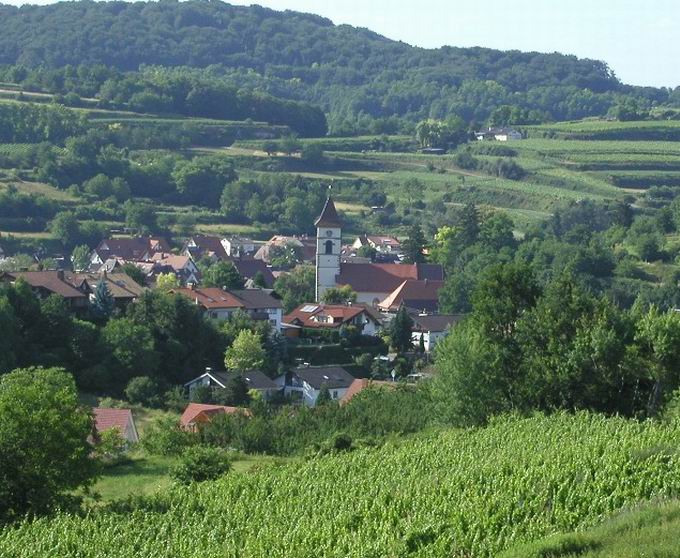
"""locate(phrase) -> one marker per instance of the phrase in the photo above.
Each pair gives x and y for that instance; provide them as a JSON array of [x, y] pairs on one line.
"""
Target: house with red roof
[[120, 419], [197, 414], [360, 384], [418, 295], [140, 248], [331, 317]]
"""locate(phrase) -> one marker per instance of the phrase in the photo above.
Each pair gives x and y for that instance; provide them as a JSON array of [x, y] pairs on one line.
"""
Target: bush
[[111, 447], [165, 437], [201, 463]]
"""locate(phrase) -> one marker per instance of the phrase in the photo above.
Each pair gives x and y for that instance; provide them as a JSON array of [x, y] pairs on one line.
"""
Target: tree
[[167, 281], [223, 275], [80, 257], [44, 452], [324, 397], [103, 303], [130, 348], [246, 353], [235, 392], [259, 280], [136, 274], [339, 295], [144, 390], [65, 228], [296, 287], [469, 225], [290, 144], [414, 245], [400, 330]]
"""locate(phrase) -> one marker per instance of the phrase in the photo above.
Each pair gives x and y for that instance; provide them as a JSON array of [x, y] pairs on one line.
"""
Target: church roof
[[329, 215]]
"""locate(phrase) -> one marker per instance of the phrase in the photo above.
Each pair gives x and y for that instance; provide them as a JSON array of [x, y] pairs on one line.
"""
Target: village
[[360, 288]]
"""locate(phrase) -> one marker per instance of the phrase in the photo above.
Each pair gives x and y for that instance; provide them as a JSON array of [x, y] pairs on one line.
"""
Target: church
[[373, 282]]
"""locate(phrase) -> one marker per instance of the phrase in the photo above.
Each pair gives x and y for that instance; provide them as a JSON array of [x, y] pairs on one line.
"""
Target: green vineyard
[[449, 493]]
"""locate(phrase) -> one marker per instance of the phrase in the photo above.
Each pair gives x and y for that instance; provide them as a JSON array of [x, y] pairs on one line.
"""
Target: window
[[329, 247]]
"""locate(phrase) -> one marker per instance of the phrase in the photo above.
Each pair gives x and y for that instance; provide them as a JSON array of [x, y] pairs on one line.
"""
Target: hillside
[[437, 495], [352, 73]]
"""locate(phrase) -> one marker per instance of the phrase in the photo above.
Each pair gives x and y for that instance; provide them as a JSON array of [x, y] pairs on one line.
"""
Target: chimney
[[208, 369]]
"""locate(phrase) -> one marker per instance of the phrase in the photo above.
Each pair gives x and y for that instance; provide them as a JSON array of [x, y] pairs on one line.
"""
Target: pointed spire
[[329, 215]]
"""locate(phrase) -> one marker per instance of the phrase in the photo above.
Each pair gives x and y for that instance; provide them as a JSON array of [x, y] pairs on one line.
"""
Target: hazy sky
[[637, 38]]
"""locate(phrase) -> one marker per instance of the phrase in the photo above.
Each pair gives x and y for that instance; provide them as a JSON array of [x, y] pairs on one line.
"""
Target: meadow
[[456, 493]]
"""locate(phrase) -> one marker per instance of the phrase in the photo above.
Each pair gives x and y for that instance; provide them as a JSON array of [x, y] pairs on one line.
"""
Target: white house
[[304, 384], [256, 380], [432, 328], [236, 246], [333, 316], [498, 134], [220, 304]]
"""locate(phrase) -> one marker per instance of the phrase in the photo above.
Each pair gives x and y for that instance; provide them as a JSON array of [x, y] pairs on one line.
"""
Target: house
[[432, 328], [383, 244], [373, 282], [256, 380], [236, 246], [122, 419], [249, 268], [46, 283], [305, 246], [197, 414], [498, 134], [304, 384], [203, 246], [332, 316], [139, 248], [181, 266], [420, 295], [123, 288], [220, 304], [360, 384]]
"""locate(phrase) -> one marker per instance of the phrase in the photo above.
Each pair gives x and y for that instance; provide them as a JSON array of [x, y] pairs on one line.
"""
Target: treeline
[[364, 81], [528, 348], [169, 91], [162, 336], [28, 123]]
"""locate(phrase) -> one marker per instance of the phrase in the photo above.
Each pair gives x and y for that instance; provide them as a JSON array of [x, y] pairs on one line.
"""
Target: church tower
[[328, 247]]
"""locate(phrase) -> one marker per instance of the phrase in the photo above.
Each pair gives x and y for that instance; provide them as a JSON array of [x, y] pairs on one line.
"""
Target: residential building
[[183, 267], [304, 384], [220, 304], [383, 244], [332, 316], [120, 419], [360, 384], [203, 246], [432, 328], [303, 245], [197, 414], [256, 380], [419, 295], [46, 283], [139, 248], [498, 134], [236, 246]]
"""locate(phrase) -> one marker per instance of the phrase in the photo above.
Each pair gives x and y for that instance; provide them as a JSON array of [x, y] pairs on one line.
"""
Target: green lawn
[[147, 474]]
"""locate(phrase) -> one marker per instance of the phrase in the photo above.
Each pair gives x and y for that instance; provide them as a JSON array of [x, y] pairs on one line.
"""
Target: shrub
[[201, 463], [143, 390], [165, 437]]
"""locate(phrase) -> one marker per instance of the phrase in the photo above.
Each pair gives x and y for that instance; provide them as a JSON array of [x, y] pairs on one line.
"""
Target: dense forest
[[364, 81]]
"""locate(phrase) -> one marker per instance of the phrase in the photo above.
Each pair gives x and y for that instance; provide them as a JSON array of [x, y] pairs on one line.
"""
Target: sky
[[637, 38]]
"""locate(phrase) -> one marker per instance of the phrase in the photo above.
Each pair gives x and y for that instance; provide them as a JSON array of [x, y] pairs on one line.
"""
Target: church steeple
[[329, 215], [328, 247]]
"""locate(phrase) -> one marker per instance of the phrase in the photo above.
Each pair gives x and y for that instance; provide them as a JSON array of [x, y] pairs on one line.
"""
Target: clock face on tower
[[329, 233]]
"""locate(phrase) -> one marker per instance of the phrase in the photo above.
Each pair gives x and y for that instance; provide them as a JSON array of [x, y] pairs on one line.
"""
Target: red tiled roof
[[340, 313], [381, 278], [210, 244], [105, 419], [329, 215], [211, 297], [361, 384], [413, 294], [131, 248], [196, 411]]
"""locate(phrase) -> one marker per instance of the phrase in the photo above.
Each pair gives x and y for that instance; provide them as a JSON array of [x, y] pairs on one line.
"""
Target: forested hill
[[352, 73]]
